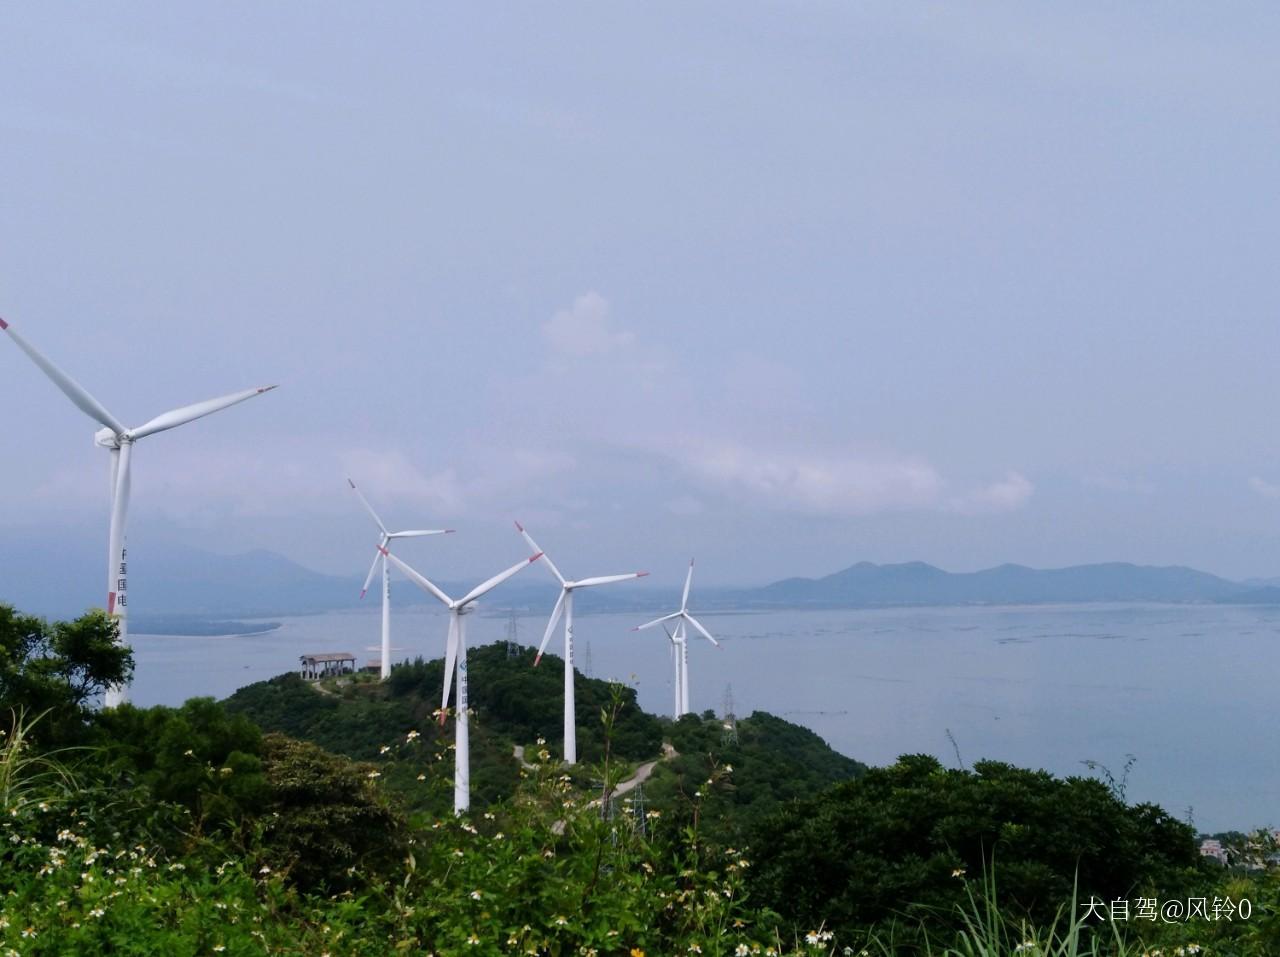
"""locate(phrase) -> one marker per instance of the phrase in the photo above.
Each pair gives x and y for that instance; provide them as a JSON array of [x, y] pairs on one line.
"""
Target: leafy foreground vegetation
[[215, 829]]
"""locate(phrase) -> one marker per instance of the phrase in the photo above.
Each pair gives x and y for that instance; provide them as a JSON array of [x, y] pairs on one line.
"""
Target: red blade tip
[[362, 591], [519, 527], [534, 558], [3, 324], [642, 574], [537, 659]]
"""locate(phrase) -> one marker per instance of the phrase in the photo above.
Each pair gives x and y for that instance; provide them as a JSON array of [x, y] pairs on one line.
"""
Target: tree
[[325, 817], [59, 667], [903, 841]]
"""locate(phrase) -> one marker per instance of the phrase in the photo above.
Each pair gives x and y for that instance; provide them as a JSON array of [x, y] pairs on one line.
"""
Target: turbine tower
[[380, 556], [456, 657], [679, 658], [564, 604], [681, 643], [118, 439]]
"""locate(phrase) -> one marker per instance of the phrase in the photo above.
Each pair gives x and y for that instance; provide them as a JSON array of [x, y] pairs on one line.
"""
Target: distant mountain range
[[915, 583], [173, 581]]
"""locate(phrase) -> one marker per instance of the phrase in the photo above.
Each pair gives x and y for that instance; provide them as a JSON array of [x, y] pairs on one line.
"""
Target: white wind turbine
[[456, 657], [564, 604], [118, 440], [681, 643], [678, 660], [380, 556]]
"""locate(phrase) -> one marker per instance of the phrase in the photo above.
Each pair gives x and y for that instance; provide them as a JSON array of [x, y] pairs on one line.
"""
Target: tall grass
[[28, 778]]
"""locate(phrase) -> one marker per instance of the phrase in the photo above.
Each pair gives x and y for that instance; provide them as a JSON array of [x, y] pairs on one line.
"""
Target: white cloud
[[1006, 495], [585, 329], [842, 484], [393, 477], [1264, 488]]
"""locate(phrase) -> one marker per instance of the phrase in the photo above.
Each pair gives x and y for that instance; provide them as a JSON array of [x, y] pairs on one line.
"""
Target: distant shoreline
[[196, 628]]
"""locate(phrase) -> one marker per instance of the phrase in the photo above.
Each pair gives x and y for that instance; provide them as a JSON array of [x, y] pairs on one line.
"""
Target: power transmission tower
[[729, 719], [586, 659], [513, 633]]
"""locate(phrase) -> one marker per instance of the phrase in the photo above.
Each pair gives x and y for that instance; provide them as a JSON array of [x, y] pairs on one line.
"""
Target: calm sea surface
[[1190, 691]]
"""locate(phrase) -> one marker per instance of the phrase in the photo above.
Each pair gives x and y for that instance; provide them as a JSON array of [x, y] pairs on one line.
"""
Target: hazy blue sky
[[783, 286]]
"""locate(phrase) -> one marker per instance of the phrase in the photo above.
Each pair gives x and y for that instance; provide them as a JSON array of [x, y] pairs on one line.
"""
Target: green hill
[[513, 704]]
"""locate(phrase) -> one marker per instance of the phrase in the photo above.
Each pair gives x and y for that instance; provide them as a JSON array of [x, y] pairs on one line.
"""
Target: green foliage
[[899, 841], [523, 703], [772, 762], [58, 669], [325, 817], [197, 756]]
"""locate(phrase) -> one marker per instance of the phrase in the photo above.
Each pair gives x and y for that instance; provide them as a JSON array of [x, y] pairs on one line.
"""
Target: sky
[[780, 286]]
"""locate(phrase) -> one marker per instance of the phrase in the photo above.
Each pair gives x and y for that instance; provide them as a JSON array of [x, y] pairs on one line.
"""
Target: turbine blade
[[189, 413], [551, 626], [497, 580], [418, 579], [369, 508], [372, 571], [688, 580], [705, 634], [608, 579], [534, 546], [419, 532], [69, 386], [657, 621], [450, 663]]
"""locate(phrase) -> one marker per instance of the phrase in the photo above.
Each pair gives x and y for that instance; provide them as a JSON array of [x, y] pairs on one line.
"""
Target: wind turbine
[[679, 658], [119, 440], [680, 640], [565, 604], [380, 556], [456, 657]]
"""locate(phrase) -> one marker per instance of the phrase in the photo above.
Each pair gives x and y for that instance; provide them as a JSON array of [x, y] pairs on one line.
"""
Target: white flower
[[374, 774], [264, 869], [560, 921], [411, 735], [475, 895], [384, 749]]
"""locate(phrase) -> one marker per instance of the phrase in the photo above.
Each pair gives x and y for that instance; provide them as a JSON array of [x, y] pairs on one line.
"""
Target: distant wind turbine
[[679, 659], [456, 657], [565, 604], [118, 440], [682, 617], [381, 556]]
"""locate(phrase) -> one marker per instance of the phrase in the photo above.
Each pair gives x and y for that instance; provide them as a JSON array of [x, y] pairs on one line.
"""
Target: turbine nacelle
[[106, 438]]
